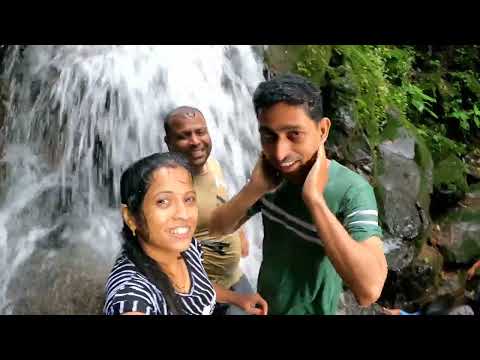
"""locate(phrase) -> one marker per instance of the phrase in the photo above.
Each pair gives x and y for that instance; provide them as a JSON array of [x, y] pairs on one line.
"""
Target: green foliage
[[313, 62], [419, 100], [437, 89], [366, 69], [359, 72], [439, 144]]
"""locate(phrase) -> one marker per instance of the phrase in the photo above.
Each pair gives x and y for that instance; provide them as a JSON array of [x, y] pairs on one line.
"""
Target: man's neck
[[200, 170]]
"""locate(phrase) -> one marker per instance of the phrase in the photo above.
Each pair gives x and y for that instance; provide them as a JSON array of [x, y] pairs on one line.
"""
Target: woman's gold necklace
[[176, 285]]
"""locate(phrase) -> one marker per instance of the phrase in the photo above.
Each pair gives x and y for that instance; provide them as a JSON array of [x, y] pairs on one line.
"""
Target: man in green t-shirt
[[320, 218]]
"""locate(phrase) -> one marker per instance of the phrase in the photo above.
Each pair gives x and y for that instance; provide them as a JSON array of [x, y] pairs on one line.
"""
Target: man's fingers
[[255, 311], [263, 304]]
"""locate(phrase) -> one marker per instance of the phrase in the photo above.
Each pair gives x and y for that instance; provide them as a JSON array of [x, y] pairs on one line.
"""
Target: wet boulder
[[399, 254], [450, 185], [66, 281], [472, 161], [347, 142], [459, 236], [404, 186], [414, 283], [348, 305]]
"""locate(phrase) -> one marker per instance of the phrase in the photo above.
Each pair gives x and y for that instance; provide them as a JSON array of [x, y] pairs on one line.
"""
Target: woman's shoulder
[[124, 275], [122, 268], [127, 288]]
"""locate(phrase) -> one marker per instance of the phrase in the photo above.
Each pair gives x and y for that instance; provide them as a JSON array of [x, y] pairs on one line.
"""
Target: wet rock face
[[430, 256], [450, 185], [472, 198], [459, 236], [418, 277], [399, 254], [409, 285], [69, 281], [347, 143], [345, 118], [348, 305], [452, 283], [400, 181]]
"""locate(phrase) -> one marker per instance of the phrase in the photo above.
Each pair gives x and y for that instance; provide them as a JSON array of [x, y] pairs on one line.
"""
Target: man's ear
[[324, 127], [128, 218]]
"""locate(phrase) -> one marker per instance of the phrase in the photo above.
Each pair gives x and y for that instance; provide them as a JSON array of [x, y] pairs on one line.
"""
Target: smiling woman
[[159, 271]]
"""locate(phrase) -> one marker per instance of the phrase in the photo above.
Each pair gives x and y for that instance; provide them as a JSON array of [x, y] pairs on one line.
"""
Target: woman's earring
[[133, 232]]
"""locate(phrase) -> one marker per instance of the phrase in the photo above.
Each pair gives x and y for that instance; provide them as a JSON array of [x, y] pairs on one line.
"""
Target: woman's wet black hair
[[292, 89], [134, 184]]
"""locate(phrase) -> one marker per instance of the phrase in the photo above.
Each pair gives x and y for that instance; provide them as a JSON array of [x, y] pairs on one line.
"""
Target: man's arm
[[244, 242], [471, 272], [229, 216], [362, 265]]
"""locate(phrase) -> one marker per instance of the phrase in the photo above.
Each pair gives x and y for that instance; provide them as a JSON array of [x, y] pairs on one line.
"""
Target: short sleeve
[[254, 209], [132, 298], [361, 213], [221, 184]]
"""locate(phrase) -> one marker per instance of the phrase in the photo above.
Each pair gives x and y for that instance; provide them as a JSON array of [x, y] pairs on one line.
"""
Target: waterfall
[[78, 115]]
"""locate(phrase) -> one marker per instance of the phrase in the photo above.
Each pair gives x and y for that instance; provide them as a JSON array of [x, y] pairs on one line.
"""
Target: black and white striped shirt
[[129, 291]]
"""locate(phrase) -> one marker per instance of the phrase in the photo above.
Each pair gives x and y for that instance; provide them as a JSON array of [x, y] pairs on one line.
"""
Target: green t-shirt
[[296, 277]]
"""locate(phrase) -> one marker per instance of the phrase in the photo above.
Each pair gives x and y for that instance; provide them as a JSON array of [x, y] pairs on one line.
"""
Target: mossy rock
[[403, 184], [283, 58], [474, 188], [448, 173], [472, 161], [459, 236], [452, 283], [472, 198], [430, 256], [450, 185], [409, 285]]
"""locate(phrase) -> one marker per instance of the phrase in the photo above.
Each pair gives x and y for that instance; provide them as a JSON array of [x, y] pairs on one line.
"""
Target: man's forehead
[[184, 122], [184, 113], [281, 126]]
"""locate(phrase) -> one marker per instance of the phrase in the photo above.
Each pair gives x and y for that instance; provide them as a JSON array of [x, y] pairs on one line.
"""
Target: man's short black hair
[[291, 89]]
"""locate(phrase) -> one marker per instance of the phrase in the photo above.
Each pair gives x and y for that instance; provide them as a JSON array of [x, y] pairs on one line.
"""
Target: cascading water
[[78, 115]]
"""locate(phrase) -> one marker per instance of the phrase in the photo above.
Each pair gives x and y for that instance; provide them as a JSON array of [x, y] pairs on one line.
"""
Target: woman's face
[[169, 211]]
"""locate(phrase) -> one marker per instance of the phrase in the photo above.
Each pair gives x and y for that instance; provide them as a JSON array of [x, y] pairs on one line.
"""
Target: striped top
[[127, 290]]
